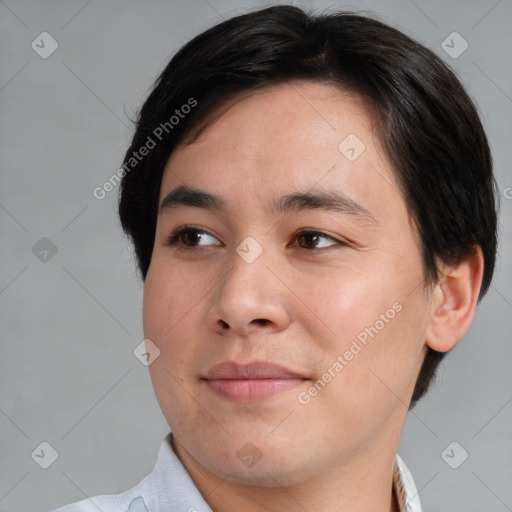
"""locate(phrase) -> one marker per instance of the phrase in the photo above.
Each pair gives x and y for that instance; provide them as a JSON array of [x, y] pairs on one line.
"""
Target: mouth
[[251, 382]]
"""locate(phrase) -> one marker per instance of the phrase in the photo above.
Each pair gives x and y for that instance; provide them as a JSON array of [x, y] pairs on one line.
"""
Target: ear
[[454, 301]]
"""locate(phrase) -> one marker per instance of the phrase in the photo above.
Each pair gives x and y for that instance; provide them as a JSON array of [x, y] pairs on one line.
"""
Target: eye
[[190, 237], [311, 239]]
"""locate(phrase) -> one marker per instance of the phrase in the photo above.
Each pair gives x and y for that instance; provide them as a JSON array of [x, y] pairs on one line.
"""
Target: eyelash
[[173, 239]]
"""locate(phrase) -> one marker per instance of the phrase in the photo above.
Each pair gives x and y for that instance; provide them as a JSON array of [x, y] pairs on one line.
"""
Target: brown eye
[[191, 237], [188, 237], [314, 240]]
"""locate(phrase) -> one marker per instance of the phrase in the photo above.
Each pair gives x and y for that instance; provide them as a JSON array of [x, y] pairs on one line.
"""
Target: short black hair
[[427, 124]]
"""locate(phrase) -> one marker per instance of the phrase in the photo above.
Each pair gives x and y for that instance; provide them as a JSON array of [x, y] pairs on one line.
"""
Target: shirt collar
[[404, 487], [169, 486]]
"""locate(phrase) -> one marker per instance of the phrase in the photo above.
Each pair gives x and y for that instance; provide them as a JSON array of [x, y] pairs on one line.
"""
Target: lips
[[255, 370], [251, 382]]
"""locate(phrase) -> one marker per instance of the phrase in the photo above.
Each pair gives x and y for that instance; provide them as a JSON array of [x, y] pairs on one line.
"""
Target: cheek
[[370, 329], [169, 299], [345, 300], [174, 318], [378, 351], [168, 318]]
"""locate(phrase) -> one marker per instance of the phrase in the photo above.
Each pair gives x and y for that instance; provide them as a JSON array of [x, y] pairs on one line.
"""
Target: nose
[[250, 298]]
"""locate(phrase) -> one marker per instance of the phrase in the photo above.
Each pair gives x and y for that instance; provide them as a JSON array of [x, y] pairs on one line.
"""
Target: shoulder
[[124, 502], [168, 487], [131, 500], [107, 503]]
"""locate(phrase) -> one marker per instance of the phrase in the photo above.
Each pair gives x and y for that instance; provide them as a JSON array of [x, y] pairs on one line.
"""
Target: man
[[312, 206]]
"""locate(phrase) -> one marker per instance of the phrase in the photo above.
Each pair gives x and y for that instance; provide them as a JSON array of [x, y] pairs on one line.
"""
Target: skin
[[301, 304]]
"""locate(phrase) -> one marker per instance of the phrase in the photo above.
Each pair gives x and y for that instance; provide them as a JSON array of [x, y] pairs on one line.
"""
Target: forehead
[[287, 138], [299, 113]]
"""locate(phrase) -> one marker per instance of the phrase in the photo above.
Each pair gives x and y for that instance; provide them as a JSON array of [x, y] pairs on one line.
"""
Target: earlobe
[[454, 301]]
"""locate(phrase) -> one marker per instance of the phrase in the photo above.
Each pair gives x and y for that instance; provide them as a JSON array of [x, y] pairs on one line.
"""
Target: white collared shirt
[[169, 488]]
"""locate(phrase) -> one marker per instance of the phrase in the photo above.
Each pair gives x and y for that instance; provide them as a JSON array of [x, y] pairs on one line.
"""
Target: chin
[[262, 462]]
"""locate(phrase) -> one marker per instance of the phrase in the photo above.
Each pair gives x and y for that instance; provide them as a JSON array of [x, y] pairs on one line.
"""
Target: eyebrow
[[185, 196]]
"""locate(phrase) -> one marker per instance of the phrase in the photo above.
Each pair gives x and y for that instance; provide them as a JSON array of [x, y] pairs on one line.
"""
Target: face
[[288, 309]]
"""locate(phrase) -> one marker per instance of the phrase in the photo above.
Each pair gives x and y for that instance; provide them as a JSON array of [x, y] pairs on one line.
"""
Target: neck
[[365, 484]]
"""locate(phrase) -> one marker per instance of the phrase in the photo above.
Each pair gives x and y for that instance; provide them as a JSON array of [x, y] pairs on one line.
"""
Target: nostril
[[261, 321], [224, 324]]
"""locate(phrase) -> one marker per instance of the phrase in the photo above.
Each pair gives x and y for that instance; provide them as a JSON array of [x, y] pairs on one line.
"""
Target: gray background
[[70, 323]]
